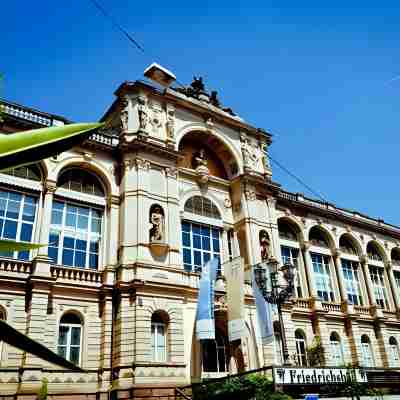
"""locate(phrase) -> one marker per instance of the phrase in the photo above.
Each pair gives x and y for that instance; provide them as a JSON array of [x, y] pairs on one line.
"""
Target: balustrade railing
[[22, 267], [302, 303], [363, 310], [75, 274], [331, 307], [25, 114]]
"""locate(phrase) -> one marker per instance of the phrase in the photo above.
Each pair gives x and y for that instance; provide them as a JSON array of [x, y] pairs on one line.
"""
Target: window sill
[[159, 364]]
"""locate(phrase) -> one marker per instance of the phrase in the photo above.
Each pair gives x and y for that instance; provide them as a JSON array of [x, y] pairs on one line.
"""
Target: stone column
[[41, 263], [393, 287], [368, 281], [309, 269], [106, 313], [346, 307], [113, 228]]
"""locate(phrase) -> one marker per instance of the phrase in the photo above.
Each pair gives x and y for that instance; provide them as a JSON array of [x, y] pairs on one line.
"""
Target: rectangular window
[[290, 255], [351, 277], [17, 218], [200, 243], [322, 276], [378, 283], [158, 342], [75, 235]]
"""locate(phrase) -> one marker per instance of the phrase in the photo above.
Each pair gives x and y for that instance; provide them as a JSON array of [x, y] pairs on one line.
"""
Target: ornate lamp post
[[275, 293]]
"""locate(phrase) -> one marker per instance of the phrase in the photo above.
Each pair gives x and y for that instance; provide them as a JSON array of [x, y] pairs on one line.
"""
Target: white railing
[[331, 307], [102, 138], [25, 114], [363, 310]]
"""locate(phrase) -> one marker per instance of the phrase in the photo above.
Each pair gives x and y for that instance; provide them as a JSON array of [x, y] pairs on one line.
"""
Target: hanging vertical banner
[[205, 323], [234, 273], [264, 313]]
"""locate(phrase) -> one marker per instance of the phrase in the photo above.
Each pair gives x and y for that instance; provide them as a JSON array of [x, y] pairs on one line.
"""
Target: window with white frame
[[70, 338], [322, 276], [200, 243], [17, 219], [336, 351], [82, 181], [158, 339], [351, 277], [290, 255], [366, 352], [75, 233], [215, 355], [31, 172], [301, 348], [377, 275], [394, 352]]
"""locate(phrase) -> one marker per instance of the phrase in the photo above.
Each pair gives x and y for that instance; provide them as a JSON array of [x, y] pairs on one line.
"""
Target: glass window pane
[[206, 243], [205, 230], [3, 204], [62, 335], [196, 229], [56, 217], [69, 242], [93, 261], [23, 255], [83, 222], [62, 351], [53, 254], [215, 233], [68, 257], [13, 209], [54, 238], [186, 239], [216, 245], [80, 244], [26, 232], [197, 241], [29, 213], [94, 246], [15, 196], [74, 355], [10, 229], [80, 259], [206, 256], [187, 256], [71, 220], [75, 336], [96, 225], [185, 227], [197, 257]]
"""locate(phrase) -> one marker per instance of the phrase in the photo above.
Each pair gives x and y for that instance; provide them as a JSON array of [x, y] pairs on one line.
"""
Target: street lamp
[[275, 293]]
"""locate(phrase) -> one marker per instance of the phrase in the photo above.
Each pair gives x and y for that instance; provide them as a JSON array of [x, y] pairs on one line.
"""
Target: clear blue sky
[[316, 74]]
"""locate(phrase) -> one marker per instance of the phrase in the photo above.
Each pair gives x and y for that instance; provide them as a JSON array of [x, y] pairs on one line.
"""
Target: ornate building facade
[[130, 217]]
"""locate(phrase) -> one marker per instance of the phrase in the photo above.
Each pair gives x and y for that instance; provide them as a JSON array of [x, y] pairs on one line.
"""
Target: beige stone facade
[[130, 216]]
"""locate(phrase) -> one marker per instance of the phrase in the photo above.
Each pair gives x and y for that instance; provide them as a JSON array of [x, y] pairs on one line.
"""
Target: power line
[[299, 180], [116, 25]]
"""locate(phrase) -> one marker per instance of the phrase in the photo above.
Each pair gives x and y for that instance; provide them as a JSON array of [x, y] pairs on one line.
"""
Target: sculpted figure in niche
[[199, 159], [142, 114], [124, 115], [157, 233], [264, 246], [250, 152]]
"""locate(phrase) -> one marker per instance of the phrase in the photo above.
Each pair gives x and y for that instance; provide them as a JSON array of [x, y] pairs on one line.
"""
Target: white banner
[[318, 376], [234, 273]]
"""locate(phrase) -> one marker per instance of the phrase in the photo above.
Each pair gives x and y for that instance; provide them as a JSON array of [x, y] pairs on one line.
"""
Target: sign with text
[[318, 376]]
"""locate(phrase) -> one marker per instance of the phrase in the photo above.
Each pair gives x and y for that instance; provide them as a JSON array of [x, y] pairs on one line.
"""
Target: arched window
[[366, 352], [31, 172], [346, 245], [159, 326], [70, 338], [286, 231], [336, 350], [76, 228], [394, 352], [301, 349], [17, 219], [80, 180], [317, 237], [373, 252], [351, 275], [377, 275], [395, 256], [215, 354], [202, 206], [201, 241]]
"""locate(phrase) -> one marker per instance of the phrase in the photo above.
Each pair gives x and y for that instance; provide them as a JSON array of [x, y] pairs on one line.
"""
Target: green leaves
[[22, 342], [11, 245], [28, 147]]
